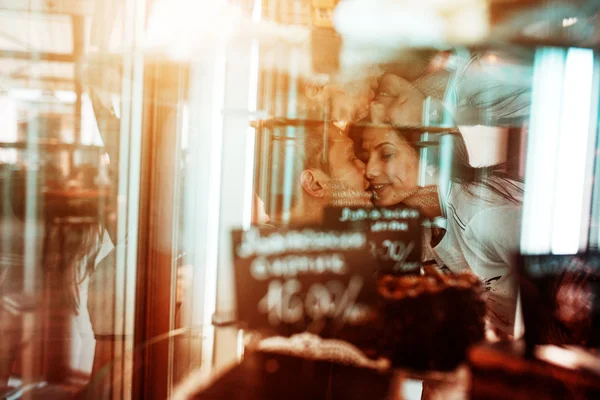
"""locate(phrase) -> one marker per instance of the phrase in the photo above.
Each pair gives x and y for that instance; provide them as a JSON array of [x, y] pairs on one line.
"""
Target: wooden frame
[[70, 7], [155, 300]]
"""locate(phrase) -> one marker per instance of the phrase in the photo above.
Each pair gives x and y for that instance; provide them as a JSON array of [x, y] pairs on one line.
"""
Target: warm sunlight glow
[[179, 26]]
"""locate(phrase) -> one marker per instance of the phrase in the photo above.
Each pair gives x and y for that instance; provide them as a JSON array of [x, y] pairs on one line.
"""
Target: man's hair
[[311, 150]]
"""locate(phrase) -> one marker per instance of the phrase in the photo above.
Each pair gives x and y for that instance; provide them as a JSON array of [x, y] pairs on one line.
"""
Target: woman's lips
[[378, 189]]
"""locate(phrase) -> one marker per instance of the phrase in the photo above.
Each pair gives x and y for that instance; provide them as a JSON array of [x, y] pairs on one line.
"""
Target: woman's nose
[[372, 170]]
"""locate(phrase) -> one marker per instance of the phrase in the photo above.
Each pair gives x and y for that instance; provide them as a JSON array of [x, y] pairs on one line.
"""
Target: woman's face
[[392, 166]]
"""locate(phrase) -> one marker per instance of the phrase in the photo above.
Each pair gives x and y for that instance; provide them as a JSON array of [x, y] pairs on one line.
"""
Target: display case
[[142, 139]]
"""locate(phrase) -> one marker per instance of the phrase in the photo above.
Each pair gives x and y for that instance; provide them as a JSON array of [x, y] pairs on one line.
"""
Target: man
[[330, 174]]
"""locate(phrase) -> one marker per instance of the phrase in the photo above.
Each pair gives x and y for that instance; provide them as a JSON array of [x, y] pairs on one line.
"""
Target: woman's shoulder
[[466, 202], [106, 247], [485, 216], [493, 192]]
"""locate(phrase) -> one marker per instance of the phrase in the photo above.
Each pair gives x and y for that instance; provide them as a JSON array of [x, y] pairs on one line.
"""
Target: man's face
[[347, 174], [397, 102]]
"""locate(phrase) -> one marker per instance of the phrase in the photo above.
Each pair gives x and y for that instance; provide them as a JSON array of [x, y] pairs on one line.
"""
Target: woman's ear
[[312, 182]]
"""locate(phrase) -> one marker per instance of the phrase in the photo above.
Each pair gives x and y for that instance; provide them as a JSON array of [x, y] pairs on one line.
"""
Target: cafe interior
[[299, 199]]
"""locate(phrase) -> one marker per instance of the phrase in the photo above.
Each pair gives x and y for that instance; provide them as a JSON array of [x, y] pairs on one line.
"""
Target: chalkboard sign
[[394, 235], [303, 279], [560, 296]]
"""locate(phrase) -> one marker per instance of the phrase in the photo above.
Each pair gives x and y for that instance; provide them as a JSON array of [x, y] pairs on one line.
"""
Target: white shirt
[[83, 342], [483, 235], [101, 292]]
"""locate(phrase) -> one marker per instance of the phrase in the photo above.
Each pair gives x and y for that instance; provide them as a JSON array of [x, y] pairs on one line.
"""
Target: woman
[[482, 205]]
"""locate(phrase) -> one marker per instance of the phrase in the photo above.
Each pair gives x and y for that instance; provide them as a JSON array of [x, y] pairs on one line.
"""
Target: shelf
[[48, 145], [291, 122]]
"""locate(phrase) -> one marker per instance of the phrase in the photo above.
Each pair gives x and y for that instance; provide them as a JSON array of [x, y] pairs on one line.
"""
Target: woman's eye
[[386, 156]]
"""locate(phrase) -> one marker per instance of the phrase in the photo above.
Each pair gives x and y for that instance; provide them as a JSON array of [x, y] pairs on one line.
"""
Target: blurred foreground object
[[501, 373], [264, 375]]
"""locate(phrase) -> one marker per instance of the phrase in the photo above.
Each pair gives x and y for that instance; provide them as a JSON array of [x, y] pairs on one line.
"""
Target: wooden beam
[[35, 79], [41, 83], [37, 56], [68, 7]]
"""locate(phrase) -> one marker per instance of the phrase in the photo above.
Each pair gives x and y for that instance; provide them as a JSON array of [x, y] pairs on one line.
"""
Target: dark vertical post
[[159, 191]]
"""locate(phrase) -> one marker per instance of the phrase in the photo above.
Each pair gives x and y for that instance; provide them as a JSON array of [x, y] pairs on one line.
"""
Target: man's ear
[[313, 182]]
